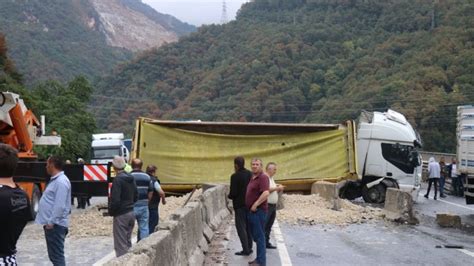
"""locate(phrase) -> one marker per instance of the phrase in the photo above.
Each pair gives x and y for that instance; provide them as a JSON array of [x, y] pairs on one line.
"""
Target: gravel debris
[[91, 222], [312, 209]]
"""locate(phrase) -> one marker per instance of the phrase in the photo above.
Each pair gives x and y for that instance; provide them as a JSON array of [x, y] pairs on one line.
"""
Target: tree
[[66, 111]]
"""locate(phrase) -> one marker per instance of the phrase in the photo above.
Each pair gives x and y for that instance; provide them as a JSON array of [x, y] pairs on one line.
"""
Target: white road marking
[[467, 252], [282, 251], [460, 206], [110, 256]]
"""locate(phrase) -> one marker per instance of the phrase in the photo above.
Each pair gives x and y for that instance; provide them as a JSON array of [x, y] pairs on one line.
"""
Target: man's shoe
[[252, 262], [434, 198], [242, 253], [443, 196], [426, 196], [270, 246]]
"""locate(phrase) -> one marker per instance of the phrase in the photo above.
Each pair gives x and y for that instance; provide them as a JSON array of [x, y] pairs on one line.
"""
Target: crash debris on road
[[312, 209], [91, 222]]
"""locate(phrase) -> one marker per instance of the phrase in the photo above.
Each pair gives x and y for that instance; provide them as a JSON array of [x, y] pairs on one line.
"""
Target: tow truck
[[21, 129]]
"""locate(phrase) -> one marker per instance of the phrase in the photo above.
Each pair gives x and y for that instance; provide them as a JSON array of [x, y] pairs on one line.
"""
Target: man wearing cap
[[123, 196]]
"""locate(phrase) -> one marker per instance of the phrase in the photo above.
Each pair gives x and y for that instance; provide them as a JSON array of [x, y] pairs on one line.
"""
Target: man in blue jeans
[[54, 210], [256, 201], [141, 205]]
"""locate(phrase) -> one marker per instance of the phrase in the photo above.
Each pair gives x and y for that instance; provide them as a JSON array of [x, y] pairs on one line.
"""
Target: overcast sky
[[196, 12]]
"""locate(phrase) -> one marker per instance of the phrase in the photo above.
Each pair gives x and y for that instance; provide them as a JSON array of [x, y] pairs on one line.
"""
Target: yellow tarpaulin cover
[[190, 157]]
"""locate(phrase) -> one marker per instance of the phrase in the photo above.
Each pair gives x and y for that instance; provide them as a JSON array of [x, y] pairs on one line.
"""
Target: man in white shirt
[[272, 202], [456, 179]]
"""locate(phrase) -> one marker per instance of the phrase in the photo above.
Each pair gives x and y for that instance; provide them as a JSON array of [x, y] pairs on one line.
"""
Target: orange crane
[[21, 129]]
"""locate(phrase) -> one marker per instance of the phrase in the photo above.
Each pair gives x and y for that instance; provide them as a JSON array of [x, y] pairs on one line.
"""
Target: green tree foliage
[[307, 61], [65, 108]]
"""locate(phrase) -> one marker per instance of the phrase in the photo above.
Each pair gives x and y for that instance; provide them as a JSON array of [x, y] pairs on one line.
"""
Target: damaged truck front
[[189, 153]]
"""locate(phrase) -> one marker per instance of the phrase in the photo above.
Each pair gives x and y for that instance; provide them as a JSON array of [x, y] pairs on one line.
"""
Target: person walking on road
[[54, 210], [442, 178], [154, 198], [14, 206], [238, 188], [434, 175], [123, 196], [271, 170], [256, 202], [144, 187]]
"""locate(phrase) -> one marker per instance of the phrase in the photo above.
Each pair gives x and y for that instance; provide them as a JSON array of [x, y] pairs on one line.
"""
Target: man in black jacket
[[238, 187], [122, 199]]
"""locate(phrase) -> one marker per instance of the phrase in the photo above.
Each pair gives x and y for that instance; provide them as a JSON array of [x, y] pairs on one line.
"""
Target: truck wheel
[[35, 198], [375, 194]]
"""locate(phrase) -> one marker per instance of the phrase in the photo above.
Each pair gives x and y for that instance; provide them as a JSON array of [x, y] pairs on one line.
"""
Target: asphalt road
[[382, 243]]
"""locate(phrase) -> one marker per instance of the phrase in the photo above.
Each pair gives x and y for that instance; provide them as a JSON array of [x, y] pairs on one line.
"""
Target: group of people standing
[[134, 196], [438, 172], [254, 196]]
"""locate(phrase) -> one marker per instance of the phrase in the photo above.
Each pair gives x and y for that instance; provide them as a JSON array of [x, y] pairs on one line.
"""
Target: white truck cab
[[106, 146], [387, 155]]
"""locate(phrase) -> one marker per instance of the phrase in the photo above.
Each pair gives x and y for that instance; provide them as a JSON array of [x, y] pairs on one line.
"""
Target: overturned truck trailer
[[188, 153]]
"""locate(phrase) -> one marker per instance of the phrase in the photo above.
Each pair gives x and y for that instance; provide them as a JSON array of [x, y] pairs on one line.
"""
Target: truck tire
[[35, 198], [375, 194]]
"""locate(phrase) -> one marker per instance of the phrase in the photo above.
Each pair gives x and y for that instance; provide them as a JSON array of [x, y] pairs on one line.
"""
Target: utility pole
[[224, 12]]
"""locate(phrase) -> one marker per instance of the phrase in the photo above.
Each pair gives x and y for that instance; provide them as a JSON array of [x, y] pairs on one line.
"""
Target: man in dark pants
[[54, 210], [256, 201], [154, 198], [122, 199], [442, 179], [271, 170], [238, 187], [14, 206]]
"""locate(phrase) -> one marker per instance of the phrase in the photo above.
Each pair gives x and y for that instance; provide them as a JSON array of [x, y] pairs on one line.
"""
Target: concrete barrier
[[399, 206], [214, 201], [182, 239], [325, 190], [328, 191]]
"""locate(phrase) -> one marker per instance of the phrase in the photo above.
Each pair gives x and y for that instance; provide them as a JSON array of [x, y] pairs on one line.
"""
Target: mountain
[[61, 39], [307, 61]]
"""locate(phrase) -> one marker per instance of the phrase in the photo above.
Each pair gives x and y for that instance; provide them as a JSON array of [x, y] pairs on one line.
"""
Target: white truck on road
[[387, 157], [106, 146], [465, 149]]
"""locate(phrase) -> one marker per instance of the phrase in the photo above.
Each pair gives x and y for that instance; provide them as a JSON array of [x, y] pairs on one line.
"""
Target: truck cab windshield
[[106, 153]]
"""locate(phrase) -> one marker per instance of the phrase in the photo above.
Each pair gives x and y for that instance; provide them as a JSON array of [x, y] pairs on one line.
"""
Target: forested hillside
[[61, 39], [63, 105], [308, 61]]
